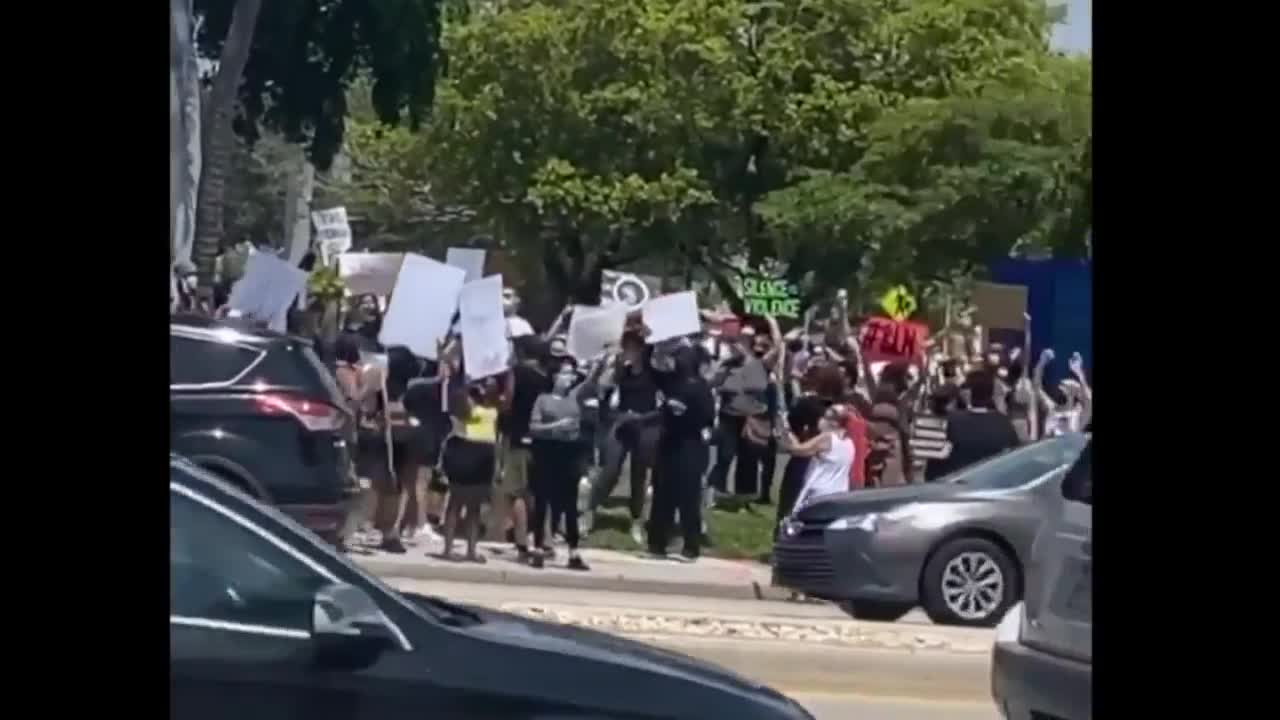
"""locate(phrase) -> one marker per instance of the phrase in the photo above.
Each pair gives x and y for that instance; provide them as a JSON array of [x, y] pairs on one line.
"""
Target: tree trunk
[[219, 141]]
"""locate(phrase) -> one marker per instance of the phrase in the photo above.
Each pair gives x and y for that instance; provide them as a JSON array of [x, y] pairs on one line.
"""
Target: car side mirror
[[348, 629]]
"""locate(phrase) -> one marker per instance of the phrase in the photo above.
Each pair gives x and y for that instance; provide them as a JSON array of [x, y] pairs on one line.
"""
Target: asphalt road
[[885, 664], [852, 707]]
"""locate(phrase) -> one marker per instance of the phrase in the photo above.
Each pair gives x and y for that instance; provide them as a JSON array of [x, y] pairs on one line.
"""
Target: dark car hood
[[844, 504], [628, 656]]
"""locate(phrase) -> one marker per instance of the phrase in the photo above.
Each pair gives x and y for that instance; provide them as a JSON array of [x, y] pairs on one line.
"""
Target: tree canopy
[[861, 143], [305, 54]]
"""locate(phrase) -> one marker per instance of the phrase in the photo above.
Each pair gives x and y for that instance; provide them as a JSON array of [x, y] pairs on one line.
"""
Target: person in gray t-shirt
[[555, 428]]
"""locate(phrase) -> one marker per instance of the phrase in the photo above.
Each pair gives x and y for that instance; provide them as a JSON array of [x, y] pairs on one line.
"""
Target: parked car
[[1042, 663], [957, 547], [259, 409], [266, 620]]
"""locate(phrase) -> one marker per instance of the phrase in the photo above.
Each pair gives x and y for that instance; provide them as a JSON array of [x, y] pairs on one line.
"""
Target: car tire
[[875, 610], [969, 581]]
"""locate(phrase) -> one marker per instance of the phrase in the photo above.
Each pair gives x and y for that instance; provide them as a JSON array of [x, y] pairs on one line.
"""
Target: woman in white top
[[832, 456]]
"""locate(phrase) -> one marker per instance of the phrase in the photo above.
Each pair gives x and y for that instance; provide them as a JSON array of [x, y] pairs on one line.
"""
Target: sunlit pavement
[[851, 707]]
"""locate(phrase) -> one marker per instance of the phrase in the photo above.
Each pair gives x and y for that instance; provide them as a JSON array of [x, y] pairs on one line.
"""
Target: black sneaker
[[548, 553], [536, 561], [393, 545], [688, 557], [522, 555], [576, 563]]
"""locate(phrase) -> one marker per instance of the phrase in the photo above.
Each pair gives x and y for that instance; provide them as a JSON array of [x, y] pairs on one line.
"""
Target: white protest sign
[[369, 273], [267, 289], [422, 304], [485, 350], [333, 232], [669, 316], [467, 259], [592, 330]]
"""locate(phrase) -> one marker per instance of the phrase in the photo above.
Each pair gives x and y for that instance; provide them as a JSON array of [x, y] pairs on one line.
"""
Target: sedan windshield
[[1020, 466]]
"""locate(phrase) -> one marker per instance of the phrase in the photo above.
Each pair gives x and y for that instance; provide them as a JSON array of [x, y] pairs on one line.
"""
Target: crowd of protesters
[[697, 417]]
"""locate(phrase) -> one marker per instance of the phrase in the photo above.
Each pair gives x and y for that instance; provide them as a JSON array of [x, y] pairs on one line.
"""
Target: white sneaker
[[429, 534], [637, 532]]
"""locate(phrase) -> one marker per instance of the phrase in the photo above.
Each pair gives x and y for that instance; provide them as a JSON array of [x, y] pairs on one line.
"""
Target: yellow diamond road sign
[[899, 303]]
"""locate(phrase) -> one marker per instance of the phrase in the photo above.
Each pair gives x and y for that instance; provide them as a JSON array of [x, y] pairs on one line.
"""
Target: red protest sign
[[887, 340]]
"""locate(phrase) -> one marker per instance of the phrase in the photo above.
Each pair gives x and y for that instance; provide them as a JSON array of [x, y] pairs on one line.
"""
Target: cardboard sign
[[999, 306], [763, 295], [485, 350], [333, 232], [468, 260], [267, 289], [888, 340], [671, 316], [593, 330], [422, 305], [370, 273]]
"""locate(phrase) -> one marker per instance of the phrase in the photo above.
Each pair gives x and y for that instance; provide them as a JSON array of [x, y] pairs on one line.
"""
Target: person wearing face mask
[[555, 427], [742, 383], [688, 413], [633, 400]]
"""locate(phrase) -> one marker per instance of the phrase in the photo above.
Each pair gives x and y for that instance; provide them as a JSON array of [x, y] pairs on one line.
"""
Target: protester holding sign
[[401, 443], [469, 457]]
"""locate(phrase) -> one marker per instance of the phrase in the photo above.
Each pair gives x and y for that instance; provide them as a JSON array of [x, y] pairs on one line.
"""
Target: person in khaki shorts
[[526, 381]]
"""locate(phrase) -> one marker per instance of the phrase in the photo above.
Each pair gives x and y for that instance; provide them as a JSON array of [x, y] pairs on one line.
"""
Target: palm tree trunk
[[218, 141]]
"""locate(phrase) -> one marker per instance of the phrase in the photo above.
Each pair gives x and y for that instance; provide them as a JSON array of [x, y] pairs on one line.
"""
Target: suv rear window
[[197, 362], [296, 365]]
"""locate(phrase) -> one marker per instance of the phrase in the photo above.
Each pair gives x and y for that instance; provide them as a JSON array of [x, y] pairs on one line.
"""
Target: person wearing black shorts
[[469, 464]]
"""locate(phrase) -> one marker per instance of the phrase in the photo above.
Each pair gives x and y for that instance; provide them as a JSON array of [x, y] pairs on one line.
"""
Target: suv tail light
[[314, 415]]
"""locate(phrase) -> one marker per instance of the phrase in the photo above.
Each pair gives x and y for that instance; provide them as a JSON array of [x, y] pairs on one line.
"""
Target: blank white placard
[[592, 330], [485, 350], [423, 303], [670, 316]]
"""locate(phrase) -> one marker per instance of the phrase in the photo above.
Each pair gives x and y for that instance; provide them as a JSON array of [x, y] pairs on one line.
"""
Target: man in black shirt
[[977, 433], [635, 430], [528, 381]]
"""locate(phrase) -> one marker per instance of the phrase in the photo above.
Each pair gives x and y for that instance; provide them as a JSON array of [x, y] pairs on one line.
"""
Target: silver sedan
[[957, 547]]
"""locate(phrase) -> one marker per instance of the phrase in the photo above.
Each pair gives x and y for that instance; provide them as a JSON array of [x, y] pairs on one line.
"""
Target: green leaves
[[306, 53], [860, 141]]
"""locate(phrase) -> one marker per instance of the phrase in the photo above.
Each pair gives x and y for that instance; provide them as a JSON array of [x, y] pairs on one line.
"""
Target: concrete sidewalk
[[610, 570]]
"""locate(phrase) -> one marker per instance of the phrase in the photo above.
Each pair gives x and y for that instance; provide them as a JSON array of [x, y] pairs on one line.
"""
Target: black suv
[[260, 409]]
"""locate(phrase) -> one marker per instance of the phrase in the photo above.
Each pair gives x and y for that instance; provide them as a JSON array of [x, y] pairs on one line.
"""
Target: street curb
[[576, 581]]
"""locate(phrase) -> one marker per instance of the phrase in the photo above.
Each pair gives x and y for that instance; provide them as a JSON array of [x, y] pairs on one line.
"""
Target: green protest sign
[[763, 295]]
